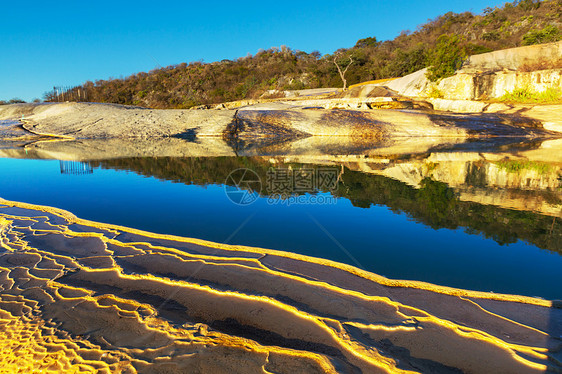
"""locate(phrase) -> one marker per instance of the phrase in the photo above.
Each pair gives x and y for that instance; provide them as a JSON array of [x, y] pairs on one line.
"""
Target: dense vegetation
[[434, 204], [441, 42]]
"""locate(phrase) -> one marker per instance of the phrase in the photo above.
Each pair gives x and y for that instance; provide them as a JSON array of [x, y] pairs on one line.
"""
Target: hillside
[[185, 85]]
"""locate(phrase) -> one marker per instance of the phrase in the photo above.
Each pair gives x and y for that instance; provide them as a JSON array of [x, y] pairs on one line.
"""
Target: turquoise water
[[397, 236]]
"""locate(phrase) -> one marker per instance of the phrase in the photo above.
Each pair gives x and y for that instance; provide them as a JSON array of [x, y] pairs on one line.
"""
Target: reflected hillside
[[491, 180], [506, 200]]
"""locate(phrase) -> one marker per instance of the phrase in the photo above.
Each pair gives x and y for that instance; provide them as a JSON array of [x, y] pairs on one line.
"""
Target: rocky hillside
[[523, 22]]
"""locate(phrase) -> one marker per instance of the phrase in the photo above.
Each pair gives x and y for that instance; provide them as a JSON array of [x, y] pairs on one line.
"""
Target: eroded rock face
[[496, 85], [477, 86], [113, 299], [491, 85], [513, 58]]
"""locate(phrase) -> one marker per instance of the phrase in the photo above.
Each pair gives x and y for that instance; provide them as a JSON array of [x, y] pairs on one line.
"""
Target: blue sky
[[66, 43]]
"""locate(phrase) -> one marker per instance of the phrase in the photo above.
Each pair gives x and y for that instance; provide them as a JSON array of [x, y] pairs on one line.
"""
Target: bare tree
[[342, 73]]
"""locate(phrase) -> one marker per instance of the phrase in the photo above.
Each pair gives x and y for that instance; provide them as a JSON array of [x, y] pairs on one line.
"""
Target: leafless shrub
[[541, 65]]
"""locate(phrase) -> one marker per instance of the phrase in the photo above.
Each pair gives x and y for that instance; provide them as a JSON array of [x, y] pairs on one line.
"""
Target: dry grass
[[371, 82], [541, 65], [274, 95]]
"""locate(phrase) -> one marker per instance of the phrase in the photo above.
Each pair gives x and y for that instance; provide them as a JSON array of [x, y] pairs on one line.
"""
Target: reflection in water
[[75, 168], [147, 302], [504, 201], [484, 214], [323, 147]]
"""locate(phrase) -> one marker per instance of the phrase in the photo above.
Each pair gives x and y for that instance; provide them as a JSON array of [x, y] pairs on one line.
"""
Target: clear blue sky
[[51, 43]]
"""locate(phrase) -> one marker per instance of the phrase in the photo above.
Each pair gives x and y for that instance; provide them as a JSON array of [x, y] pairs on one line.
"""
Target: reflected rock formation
[[508, 189], [503, 199]]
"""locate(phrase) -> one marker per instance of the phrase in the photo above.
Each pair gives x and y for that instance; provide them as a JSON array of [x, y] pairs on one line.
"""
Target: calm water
[[373, 222]]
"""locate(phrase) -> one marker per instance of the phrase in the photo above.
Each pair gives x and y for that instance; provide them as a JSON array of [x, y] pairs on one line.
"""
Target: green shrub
[[447, 56], [516, 166], [437, 198], [528, 5], [435, 93], [476, 49], [294, 85], [549, 34], [528, 95], [407, 61], [367, 42], [491, 35]]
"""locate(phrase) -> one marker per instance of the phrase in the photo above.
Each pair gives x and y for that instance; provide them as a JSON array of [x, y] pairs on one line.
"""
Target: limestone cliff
[[491, 75]]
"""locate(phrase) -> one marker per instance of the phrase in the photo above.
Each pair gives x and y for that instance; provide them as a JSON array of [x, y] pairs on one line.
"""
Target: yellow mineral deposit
[[82, 296]]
